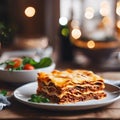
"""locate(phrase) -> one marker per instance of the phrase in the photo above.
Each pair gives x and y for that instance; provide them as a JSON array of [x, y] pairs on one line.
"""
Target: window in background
[[91, 31]]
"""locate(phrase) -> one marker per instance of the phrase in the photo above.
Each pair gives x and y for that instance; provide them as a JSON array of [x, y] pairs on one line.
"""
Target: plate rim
[[38, 105]]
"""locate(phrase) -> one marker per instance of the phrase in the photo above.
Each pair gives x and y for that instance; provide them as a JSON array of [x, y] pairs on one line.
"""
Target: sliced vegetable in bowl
[[26, 63], [24, 69]]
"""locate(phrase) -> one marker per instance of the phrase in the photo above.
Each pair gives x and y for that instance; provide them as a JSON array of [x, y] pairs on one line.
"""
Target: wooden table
[[19, 111]]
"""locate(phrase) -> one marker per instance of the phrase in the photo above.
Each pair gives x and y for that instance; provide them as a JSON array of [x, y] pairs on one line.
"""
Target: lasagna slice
[[70, 86]]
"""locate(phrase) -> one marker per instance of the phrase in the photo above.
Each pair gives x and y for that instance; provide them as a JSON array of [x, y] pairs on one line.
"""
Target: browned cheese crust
[[70, 86]]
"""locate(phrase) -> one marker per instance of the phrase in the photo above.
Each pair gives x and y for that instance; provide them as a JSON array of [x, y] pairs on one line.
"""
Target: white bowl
[[23, 76]]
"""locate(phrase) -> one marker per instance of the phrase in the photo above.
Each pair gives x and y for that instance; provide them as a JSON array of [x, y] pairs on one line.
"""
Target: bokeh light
[[75, 24], [90, 44], [89, 13], [118, 24], [65, 32], [118, 8], [106, 20], [30, 11], [105, 8], [63, 21], [76, 33]]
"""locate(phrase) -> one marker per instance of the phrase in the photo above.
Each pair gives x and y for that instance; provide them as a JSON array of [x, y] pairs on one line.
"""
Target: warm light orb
[[118, 24], [76, 33], [118, 8], [29, 11], [106, 20], [89, 13], [91, 44], [75, 24], [105, 8], [63, 21]]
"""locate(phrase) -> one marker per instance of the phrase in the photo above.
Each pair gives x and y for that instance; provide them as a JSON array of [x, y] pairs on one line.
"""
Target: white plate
[[24, 92]]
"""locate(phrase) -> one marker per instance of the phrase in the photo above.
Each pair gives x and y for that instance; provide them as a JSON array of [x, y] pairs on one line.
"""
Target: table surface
[[18, 110]]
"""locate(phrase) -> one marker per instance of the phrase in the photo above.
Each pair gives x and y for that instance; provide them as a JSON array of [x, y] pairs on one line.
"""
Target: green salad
[[27, 63]]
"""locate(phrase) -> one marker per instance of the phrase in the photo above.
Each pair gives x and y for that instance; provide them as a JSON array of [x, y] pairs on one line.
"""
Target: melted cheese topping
[[68, 77]]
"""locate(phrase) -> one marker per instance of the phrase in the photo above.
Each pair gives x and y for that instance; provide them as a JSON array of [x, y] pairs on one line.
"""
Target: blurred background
[[75, 33]]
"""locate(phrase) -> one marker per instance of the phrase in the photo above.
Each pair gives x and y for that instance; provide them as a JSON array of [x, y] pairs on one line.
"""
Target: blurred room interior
[[75, 33]]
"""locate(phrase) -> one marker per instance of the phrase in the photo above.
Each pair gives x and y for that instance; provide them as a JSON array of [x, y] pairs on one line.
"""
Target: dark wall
[[4, 16], [45, 21]]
